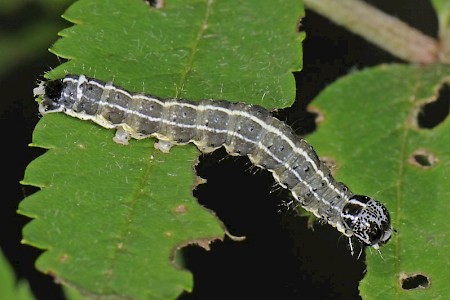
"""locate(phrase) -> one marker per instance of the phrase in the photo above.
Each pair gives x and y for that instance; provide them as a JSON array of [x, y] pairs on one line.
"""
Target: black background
[[280, 258]]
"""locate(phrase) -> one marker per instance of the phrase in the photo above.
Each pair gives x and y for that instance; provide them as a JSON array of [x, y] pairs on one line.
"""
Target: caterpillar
[[241, 128]]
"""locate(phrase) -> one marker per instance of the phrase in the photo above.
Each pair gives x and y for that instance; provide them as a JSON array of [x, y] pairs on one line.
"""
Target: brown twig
[[383, 30]]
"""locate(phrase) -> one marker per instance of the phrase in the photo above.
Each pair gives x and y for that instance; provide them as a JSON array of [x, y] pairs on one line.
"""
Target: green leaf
[[370, 127], [190, 49], [9, 288], [442, 8], [111, 217]]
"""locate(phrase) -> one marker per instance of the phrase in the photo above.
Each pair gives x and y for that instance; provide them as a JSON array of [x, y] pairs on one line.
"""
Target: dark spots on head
[[361, 198], [352, 209], [385, 225], [368, 219], [382, 242], [54, 88], [306, 168], [349, 222], [375, 233]]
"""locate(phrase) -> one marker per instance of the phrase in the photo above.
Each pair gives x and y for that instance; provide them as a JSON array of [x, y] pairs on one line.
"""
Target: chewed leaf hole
[[423, 158], [319, 117], [155, 3], [414, 281], [434, 113]]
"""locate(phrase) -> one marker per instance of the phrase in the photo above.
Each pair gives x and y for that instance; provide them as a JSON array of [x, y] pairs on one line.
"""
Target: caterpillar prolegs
[[241, 128]]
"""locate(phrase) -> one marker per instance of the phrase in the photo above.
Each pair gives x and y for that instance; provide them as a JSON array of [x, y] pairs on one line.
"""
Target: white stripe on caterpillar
[[242, 129]]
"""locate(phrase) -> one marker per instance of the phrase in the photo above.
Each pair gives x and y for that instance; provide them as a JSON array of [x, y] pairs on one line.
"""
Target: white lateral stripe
[[169, 103]]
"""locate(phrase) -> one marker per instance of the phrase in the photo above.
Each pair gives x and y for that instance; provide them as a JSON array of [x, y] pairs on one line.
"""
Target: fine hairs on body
[[242, 129]]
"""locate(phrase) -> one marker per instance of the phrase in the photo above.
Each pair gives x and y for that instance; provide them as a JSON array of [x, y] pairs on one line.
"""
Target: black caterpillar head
[[55, 95], [368, 219]]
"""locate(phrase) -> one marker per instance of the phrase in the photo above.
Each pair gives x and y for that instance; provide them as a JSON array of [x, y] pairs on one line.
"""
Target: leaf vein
[[189, 65]]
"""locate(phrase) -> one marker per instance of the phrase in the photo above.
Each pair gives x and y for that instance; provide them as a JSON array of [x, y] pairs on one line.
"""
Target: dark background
[[280, 258]]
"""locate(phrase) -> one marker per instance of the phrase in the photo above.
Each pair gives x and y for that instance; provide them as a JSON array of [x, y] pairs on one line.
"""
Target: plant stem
[[383, 30]]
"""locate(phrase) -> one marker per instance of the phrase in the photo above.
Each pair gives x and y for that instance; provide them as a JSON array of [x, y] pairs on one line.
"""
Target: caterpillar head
[[368, 219], [56, 95]]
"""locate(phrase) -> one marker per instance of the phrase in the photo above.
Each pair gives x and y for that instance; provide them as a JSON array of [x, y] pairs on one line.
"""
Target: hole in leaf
[[414, 281], [423, 158], [434, 113], [155, 3]]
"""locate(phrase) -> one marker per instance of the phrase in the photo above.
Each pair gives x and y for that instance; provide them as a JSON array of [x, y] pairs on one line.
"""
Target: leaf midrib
[[401, 170], [142, 181], [193, 51]]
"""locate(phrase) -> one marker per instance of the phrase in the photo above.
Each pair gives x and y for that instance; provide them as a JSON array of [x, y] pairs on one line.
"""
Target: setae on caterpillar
[[241, 128]]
